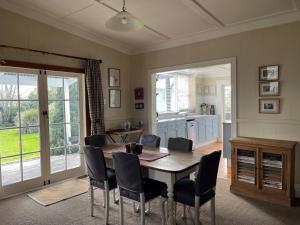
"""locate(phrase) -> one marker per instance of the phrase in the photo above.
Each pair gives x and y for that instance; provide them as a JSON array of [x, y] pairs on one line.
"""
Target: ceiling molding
[[227, 30], [203, 12], [70, 28]]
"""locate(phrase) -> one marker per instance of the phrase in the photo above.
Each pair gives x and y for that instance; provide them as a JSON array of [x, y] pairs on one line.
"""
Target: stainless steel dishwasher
[[191, 130]]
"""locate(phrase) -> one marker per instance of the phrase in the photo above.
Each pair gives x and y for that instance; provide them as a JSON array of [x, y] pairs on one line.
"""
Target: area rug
[[59, 192]]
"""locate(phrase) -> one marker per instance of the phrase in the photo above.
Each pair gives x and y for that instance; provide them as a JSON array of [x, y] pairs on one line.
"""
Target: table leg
[[171, 204]]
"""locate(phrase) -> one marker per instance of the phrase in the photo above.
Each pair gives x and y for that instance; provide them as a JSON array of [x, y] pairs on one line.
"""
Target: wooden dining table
[[168, 169]]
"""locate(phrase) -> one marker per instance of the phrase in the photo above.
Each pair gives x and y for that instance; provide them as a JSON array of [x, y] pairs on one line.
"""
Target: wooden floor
[[224, 170]]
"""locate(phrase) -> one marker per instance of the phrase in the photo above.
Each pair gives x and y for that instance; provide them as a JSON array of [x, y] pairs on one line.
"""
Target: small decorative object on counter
[[127, 125], [212, 110], [140, 124], [204, 108]]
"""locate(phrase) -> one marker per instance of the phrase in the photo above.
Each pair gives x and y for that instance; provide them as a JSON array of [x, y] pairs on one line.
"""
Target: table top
[[175, 162], [124, 132]]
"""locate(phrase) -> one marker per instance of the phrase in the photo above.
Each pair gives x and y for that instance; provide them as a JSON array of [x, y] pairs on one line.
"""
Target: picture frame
[[114, 79], [139, 93], [269, 106], [269, 73], [270, 88], [139, 105], [114, 98]]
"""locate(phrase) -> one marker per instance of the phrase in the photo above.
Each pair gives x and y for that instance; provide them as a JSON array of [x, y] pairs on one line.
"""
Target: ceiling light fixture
[[124, 21]]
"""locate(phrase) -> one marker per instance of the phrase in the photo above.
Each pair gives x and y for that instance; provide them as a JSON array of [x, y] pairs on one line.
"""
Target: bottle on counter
[[212, 110]]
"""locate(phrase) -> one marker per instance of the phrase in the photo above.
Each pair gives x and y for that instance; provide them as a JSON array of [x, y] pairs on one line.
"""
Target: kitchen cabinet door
[[201, 131], [209, 128]]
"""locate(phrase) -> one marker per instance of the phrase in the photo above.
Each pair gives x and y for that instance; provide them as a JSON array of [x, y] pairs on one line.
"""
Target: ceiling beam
[[145, 26], [202, 11]]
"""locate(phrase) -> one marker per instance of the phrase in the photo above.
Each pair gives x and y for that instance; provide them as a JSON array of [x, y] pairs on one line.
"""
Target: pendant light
[[124, 21]]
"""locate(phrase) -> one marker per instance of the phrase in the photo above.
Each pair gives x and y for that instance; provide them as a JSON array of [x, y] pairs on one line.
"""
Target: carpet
[[231, 209], [59, 192]]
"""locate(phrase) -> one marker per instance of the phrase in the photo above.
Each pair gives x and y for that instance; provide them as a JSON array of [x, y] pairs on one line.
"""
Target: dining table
[[169, 166]]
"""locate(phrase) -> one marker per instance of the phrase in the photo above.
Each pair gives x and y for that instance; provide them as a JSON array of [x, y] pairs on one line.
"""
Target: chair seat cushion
[[152, 189], [112, 182], [184, 192]]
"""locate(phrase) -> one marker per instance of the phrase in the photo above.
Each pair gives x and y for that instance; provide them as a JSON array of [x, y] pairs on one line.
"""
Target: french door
[[41, 121]]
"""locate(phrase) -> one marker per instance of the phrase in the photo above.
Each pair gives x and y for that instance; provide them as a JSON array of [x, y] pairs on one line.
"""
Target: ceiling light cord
[[124, 8]]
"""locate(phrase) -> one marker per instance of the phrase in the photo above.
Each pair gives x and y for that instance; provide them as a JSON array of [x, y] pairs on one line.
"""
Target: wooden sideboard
[[263, 169]]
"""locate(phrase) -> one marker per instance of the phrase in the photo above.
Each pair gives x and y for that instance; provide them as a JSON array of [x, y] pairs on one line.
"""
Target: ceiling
[[222, 70], [168, 23]]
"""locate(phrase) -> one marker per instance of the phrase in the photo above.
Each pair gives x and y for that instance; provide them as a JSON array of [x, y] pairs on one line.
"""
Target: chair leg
[[184, 212], [163, 213], [175, 211], [136, 208], [116, 201], [197, 210], [121, 216], [213, 211], [92, 199], [106, 202], [142, 209], [147, 211], [103, 192]]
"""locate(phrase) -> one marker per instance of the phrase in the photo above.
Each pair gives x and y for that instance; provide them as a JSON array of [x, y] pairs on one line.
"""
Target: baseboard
[[297, 190]]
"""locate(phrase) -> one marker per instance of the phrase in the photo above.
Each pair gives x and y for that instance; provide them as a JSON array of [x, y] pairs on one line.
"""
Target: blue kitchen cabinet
[[226, 138], [209, 128], [201, 134], [215, 129], [181, 129], [162, 129]]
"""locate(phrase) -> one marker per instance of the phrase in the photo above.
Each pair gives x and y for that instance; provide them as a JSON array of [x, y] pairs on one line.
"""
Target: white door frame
[[24, 186], [152, 81]]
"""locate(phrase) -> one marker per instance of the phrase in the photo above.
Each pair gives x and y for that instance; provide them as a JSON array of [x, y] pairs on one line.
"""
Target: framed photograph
[[269, 88], [139, 105], [270, 106], [139, 93], [114, 98], [269, 73], [113, 77]]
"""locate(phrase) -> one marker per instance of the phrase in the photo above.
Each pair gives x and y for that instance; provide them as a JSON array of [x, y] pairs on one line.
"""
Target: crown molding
[[288, 17], [70, 28]]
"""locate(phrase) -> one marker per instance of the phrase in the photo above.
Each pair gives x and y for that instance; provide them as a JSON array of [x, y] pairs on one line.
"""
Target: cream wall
[[275, 45], [22, 32]]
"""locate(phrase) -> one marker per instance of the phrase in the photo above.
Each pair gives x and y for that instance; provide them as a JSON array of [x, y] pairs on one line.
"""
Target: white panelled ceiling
[[168, 23]]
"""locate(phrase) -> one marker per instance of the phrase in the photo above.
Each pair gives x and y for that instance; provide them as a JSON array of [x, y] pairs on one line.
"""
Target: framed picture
[[270, 106], [139, 93], [269, 73], [269, 88], [139, 105], [114, 98], [113, 77]]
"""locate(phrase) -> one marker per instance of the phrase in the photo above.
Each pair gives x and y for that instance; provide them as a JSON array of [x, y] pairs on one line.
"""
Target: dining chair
[[150, 140], [133, 186], [99, 176], [197, 193], [181, 144], [95, 140], [99, 140]]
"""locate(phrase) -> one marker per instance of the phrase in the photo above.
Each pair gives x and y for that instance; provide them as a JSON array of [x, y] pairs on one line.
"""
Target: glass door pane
[[64, 123], [20, 153]]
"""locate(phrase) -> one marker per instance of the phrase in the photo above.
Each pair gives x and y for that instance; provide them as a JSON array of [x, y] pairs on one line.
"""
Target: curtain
[[95, 96]]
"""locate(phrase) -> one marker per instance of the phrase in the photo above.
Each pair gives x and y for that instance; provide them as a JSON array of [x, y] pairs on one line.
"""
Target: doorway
[[41, 120]]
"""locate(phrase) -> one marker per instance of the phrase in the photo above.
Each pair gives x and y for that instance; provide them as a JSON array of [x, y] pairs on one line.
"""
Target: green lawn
[[9, 144]]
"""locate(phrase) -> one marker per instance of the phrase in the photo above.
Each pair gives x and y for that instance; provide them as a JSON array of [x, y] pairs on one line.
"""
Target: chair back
[[180, 143], [95, 140], [208, 172], [150, 140], [95, 163], [128, 171]]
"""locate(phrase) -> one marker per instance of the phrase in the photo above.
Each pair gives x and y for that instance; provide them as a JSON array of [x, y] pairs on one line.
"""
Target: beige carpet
[[60, 192], [230, 210]]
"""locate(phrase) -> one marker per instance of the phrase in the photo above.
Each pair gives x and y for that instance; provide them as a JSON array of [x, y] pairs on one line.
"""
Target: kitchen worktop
[[182, 118]]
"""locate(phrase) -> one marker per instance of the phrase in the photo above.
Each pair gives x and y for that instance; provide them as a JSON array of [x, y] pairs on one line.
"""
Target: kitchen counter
[[182, 118]]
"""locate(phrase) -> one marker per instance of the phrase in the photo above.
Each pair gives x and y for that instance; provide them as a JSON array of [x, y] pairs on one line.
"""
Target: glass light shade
[[124, 22]]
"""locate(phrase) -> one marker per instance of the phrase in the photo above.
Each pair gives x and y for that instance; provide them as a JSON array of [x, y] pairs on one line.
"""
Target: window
[[227, 103], [172, 93]]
